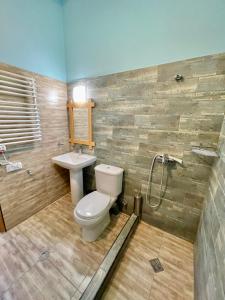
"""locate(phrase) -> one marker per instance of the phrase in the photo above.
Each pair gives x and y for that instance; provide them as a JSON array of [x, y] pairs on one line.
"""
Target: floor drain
[[44, 255], [156, 265]]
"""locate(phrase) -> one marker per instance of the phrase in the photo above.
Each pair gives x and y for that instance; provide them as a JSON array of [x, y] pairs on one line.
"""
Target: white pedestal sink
[[75, 162]]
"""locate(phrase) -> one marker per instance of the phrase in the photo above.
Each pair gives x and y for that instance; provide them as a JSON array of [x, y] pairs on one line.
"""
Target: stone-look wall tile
[[167, 72], [210, 243], [211, 84], [132, 91], [144, 112], [215, 107], [201, 123], [22, 195], [179, 89], [196, 67], [215, 66], [156, 122]]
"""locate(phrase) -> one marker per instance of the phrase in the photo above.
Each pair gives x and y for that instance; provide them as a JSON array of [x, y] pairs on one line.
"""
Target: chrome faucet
[[80, 149], [166, 158]]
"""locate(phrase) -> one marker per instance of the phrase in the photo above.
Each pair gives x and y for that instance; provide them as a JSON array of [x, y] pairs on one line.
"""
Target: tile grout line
[[29, 269], [155, 274], [23, 233]]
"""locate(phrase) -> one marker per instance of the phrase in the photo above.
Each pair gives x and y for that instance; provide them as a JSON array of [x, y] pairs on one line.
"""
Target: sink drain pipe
[[100, 280]]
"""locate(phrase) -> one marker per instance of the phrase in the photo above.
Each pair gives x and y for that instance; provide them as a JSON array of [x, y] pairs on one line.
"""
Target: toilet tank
[[109, 179]]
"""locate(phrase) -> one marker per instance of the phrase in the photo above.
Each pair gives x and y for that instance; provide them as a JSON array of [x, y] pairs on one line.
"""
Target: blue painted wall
[[107, 36], [32, 37]]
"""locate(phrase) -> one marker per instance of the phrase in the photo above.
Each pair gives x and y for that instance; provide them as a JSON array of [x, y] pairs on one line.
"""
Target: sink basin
[[75, 162]]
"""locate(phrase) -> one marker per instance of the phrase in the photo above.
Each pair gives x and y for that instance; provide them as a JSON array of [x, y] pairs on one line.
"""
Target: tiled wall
[[144, 112], [210, 245], [21, 194]]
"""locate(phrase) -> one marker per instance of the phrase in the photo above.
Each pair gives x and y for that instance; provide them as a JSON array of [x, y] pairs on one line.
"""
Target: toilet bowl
[[92, 211]]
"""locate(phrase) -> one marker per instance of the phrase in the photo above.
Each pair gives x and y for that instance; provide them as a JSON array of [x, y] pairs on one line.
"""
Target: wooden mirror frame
[[71, 107]]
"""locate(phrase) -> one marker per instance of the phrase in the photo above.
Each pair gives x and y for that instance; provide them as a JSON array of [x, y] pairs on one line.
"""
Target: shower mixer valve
[[165, 159]]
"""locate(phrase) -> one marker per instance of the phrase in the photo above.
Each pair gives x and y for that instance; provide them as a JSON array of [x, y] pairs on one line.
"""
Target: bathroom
[[112, 149]]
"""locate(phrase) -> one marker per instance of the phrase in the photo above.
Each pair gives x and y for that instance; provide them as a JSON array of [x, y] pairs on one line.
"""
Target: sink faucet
[[80, 150], [75, 147]]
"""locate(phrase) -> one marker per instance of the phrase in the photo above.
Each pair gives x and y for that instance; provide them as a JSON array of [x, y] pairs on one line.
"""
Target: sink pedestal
[[75, 162], [76, 185]]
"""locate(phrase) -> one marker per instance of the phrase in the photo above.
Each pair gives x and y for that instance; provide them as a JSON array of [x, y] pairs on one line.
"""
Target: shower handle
[[175, 159], [166, 158]]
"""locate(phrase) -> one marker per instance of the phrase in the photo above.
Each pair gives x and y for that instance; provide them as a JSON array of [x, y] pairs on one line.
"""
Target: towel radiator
[[19, 115]]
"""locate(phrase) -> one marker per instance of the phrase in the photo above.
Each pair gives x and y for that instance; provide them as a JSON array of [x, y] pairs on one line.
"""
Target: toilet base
[[91, 233]]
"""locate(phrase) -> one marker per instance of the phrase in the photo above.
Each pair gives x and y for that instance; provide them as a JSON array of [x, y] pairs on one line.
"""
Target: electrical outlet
[[2, 148], [14, 167]]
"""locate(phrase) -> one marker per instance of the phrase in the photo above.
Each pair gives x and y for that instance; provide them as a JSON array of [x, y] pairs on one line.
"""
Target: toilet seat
[[93, 205]]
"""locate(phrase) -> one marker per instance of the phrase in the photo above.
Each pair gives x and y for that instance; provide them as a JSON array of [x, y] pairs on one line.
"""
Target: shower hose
[[148, 192]]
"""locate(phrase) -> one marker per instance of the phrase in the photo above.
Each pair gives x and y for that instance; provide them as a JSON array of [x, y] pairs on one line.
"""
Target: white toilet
[[92, 211]]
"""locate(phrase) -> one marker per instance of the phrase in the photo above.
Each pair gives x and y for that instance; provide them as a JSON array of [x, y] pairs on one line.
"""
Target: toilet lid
[[92, 205]]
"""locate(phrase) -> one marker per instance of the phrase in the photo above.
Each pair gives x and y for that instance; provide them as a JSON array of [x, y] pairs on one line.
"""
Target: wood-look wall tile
[[209, 246], [22, 195], [144, 112], [208, 123]]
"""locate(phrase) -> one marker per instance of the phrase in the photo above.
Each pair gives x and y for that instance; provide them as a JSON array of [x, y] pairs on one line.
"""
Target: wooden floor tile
[[68, 263], [45, 258], [134, 277]]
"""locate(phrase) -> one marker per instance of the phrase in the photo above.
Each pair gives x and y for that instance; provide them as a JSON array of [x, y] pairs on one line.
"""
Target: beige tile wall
[[138, 113], [210, 242], [21, 194], [144, 112]]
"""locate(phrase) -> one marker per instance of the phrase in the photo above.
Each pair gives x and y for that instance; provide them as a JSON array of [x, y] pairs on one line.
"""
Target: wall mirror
[[80, 123]]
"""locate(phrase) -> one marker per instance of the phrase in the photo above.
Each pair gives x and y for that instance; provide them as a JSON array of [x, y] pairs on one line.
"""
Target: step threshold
[[104, 273]]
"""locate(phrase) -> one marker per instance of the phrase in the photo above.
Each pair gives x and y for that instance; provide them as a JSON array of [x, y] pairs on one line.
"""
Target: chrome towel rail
[[19, 114], [15, 75], [16, 103]]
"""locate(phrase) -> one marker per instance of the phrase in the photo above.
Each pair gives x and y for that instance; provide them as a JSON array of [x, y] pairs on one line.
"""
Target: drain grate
[[156, 265], [44, 255]]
